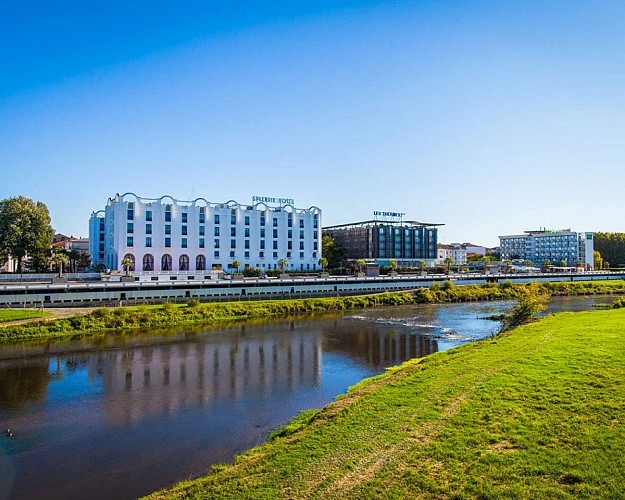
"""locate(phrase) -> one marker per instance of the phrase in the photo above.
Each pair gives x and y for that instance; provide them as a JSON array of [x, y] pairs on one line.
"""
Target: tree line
[[611, 246]]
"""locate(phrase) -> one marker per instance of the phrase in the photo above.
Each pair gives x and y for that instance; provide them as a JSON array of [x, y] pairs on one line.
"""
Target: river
[[122, 416]]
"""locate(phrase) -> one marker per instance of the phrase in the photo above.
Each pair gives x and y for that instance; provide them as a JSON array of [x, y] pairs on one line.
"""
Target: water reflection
[[125, 415]]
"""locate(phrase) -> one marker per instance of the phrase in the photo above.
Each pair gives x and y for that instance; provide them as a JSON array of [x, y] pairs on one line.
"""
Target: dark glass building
[[407, 241]]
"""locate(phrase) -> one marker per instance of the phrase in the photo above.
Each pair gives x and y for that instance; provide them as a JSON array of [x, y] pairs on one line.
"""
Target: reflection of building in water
[[162, 378], [380, 347]]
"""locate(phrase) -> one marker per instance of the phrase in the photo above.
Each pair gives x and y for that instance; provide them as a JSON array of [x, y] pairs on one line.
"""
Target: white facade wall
[[218, 233]]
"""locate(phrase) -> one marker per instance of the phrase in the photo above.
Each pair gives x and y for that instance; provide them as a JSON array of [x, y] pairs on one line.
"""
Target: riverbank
[[104, 320], [537, 412]]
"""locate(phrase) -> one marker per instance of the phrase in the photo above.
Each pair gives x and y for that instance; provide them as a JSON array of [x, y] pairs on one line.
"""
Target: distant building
[[457, 253], [166, 234], [408, 242], [10, 266], [575, 249]]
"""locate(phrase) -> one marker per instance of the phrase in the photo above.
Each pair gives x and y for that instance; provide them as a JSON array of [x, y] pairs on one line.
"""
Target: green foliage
[[193, 303], [24, 229], [448, 285], [532, 300], [611, 247], [168, 307], [618, 303], [335, 253], [435, 286]]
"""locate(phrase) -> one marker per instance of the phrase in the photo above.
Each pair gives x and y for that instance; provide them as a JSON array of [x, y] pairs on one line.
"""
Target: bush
[[168, 307], [435, 287], [194, 303]]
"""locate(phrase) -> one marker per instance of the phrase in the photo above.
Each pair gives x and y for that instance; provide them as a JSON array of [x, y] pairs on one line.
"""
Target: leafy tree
[[448, 262], [24, 228], [360, 265], [531, 302], [611, 246], [598, 259], [127, 264], [333, 251], [392, 264], [83, 261], [323, 262], [546, 264], [236, 263], [60, 259], [283, 264]]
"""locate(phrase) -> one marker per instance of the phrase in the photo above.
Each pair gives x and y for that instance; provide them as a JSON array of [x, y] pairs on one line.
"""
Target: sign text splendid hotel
[[269, 199]]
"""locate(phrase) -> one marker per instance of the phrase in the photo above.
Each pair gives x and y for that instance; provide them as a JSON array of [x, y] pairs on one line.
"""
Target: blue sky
[[489, 117]]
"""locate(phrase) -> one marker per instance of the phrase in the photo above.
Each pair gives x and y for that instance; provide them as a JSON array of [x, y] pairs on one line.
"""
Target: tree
[[283, 264], [598, 260], [448, 262], [323, 262], [83, 262], [333, 251], [611, 246], [61, 259], [236, 263], [546, 264], [127, 264], [24, 228], [360, 265], [392, 265], [531, 302]]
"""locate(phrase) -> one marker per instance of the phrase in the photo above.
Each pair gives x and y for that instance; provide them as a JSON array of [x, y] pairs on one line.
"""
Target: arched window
[[200, 263], [148, 262], [183, 263], [128, 262], [166, 262]]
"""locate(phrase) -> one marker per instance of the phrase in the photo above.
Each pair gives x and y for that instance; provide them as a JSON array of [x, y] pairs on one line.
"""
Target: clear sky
[[490, 117]]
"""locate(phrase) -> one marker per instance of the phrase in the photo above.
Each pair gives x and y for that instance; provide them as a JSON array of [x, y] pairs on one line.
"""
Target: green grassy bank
[[7, 315], [120, 318], [538, 412]]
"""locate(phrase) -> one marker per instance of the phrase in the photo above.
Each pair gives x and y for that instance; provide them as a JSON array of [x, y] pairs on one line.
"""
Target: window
[[216, 254], [315, 222], [233, 231], [202, 244], [184, 217], [301, 223], [183, 263], [301, 234], [216, 219], [148, 229], [262, 232], [131, 211], [202, 220], [262, 244], [290, 233], [247, 255], [275, 233], [247, 243], [247, 232], [202, 230], [233, 243], [148, 215], [301, 255], [167, 213], [315, 235], [290, 221], [130, 228], [262, 219], [232, 254], [247, 220], [275, 222], [148, 241], [168, 242], [315, 246], [275, 245], [148, 262], [167, 228], [233, 219], [216, 232], [166, 262], [216, 243], [289, 245], [184, 243], [184, 230], [275, 255], [200, 263], [261, 255], [129, 241], [301, 245], [288, 255]]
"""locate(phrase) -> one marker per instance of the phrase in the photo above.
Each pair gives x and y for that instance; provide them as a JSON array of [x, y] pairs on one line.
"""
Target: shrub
[[168, 307], [435, 287], [194, 303]]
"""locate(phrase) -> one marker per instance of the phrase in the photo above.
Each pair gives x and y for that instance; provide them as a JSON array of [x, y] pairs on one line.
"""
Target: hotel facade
[[555, 246], [169, 235]]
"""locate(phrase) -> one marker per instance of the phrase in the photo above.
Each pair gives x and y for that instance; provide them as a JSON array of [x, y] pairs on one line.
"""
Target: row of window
[[130, 229], [184, 242]]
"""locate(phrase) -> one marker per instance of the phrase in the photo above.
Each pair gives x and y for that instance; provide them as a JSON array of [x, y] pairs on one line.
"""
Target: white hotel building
[[170, 235]]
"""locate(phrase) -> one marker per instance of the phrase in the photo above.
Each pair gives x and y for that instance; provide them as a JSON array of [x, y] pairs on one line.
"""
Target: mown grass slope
[[535, 413]]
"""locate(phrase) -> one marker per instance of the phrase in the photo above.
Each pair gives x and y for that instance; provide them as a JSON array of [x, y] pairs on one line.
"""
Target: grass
[[7, 315], [127, 318], [535, 413]]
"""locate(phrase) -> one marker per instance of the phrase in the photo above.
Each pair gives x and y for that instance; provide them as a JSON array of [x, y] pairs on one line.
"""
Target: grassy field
[[535, 413], [17, 314]]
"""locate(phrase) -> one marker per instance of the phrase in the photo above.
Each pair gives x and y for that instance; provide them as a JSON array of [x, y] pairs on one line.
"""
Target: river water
[[122, 416]]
